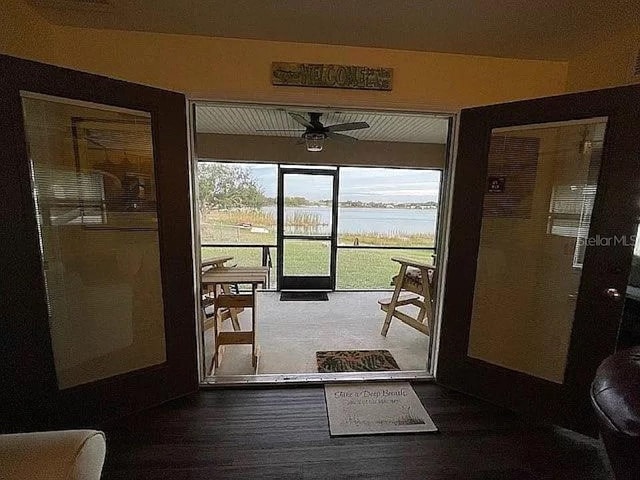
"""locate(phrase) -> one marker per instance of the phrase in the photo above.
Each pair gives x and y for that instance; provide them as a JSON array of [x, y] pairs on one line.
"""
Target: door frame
[[310, 282], [27, 363], [565, 404], [444, 220]]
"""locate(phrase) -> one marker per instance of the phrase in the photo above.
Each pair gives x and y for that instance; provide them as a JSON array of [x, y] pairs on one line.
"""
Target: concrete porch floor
[[290, 333]]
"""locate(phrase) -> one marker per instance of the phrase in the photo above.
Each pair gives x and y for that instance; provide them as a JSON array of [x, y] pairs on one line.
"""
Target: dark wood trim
[[30, 398], [564, 404]]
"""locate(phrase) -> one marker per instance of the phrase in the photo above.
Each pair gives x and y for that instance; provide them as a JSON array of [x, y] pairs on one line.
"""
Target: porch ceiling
[[384, 127]]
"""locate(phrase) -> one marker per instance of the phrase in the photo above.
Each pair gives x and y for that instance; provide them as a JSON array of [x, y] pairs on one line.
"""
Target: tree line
[[224, 186]]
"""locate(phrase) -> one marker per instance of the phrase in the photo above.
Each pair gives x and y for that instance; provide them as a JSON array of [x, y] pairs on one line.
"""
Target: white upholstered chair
[[61, 455]]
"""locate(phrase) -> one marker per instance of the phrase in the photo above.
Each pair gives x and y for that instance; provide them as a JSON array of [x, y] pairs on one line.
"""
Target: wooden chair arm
[[412, 263]]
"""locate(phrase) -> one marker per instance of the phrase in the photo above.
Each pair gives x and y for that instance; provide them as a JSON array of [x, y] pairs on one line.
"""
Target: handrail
[[267, 260]]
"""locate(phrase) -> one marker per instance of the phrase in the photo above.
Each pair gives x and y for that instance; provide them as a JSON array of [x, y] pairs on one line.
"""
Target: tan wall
[[217, 68], [604, 65], [249, 148]]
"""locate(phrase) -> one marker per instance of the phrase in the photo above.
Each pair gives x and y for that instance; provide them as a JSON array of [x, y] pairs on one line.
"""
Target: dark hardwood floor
[[283, 433]]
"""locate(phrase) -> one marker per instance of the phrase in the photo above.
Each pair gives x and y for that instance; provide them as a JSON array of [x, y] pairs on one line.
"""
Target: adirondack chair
[[414, 285]]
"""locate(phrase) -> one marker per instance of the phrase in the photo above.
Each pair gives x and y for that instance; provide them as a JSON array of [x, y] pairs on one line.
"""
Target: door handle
[[612, 293]]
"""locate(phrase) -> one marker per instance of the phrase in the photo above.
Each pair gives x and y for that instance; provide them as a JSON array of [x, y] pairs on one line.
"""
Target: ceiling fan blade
[[301, 120], [279, 130], [341, 137], [342, 127]]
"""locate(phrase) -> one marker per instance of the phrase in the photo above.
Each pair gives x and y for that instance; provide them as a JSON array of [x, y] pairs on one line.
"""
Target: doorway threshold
[[314, 378]]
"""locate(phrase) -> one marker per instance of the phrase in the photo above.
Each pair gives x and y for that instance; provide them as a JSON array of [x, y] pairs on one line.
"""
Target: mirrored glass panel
[[93, 183], [540, 191]]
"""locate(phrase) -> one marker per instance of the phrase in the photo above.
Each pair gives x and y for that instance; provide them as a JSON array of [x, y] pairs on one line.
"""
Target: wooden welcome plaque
[[331, 76]]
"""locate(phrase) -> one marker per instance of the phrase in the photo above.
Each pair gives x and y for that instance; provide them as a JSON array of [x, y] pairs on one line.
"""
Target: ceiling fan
[[315, 132]]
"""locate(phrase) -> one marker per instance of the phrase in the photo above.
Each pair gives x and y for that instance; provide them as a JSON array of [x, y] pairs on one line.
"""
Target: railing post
[[266, 262]]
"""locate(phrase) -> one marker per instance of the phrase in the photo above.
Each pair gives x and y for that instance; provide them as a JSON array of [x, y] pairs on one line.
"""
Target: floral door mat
[[355, 361]]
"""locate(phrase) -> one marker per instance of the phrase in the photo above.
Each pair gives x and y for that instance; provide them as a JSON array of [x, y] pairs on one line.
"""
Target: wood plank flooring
[[282, 433]]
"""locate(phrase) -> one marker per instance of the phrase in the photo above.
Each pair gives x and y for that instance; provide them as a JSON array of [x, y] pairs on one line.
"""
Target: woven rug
[[355, 361]]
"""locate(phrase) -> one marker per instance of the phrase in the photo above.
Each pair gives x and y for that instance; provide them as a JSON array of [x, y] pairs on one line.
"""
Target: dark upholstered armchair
[[615, 395]]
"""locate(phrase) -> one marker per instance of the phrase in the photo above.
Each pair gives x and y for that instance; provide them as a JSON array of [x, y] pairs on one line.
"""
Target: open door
[[98, 283], [544, 218], [297, 234]]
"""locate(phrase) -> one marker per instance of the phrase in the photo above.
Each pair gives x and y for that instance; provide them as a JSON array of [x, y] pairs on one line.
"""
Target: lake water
[[369, 220]]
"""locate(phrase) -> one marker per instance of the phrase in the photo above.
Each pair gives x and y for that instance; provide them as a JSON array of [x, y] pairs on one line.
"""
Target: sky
[[387, 185]]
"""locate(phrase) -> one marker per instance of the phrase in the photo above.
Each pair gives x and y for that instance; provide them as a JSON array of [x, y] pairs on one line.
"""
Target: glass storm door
[[543, 224], [98, 265], [307, 225]]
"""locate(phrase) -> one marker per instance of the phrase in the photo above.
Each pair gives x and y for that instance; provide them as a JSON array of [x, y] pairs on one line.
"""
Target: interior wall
[[605, 65], [233, 69], [254, 148]]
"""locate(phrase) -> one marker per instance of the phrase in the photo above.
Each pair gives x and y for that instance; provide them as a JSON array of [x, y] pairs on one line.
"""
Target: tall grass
[[301, 219], [255, 218], [258, 218]]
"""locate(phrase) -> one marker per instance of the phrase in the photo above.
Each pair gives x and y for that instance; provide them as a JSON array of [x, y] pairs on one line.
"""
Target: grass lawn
[[372, 268], [356, 268]]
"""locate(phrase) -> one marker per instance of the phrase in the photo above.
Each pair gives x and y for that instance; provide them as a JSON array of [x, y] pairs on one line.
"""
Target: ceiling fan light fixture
[[314, 141]]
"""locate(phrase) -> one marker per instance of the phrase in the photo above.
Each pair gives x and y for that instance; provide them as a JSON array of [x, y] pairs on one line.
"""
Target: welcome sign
[[331, 76], [370, 408]]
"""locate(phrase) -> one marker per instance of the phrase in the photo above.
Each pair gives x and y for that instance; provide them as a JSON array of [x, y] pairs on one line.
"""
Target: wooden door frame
[[308, 282], [29, 379], [621, 151]]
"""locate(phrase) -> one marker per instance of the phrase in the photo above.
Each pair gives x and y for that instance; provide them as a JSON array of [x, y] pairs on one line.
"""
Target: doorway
[[331, 221], [309, 228]]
